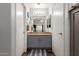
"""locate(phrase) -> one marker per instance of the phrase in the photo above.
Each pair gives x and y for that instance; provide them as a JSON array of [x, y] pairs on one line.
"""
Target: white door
[[57, 26], [19, 29]]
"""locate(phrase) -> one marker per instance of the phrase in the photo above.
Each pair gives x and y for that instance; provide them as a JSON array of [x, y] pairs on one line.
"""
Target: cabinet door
[[45, 41], [32, 42]]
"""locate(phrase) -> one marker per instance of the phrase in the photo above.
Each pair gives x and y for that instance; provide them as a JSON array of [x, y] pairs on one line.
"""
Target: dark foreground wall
[[5, 29]]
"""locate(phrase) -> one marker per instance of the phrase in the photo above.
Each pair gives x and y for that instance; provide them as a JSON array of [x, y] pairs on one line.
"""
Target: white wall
[[19, 29]]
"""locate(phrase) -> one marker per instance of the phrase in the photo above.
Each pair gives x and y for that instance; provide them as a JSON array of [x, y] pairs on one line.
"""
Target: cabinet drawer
[[46, 41], [32, 42], [39, 41]]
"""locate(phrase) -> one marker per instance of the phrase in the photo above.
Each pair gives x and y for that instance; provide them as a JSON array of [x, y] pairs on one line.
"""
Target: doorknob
[[60, 33]]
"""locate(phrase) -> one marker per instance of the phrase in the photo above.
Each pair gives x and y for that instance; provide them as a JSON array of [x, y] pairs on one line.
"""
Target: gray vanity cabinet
[[32, 41], [45, 41], [39, 41]]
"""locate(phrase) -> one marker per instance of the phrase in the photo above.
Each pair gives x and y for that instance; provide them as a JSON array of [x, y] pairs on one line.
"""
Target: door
[[74, 32], [19, 29], [57, 26]]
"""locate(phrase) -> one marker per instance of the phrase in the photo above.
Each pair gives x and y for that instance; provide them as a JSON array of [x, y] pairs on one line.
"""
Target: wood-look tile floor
[[38, 52]]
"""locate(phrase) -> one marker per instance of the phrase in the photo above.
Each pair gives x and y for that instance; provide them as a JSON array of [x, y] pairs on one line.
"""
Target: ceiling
[[38, 9]]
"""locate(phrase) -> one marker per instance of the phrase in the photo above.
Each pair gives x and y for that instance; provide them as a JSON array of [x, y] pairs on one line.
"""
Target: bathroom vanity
[[39, 40]]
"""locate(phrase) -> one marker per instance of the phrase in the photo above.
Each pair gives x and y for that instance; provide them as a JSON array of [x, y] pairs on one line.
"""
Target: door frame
[[25, 33], [13, 27], [74, 10]]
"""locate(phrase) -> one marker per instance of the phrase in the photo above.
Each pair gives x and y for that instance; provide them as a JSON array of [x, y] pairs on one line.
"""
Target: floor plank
[[39, 52]]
